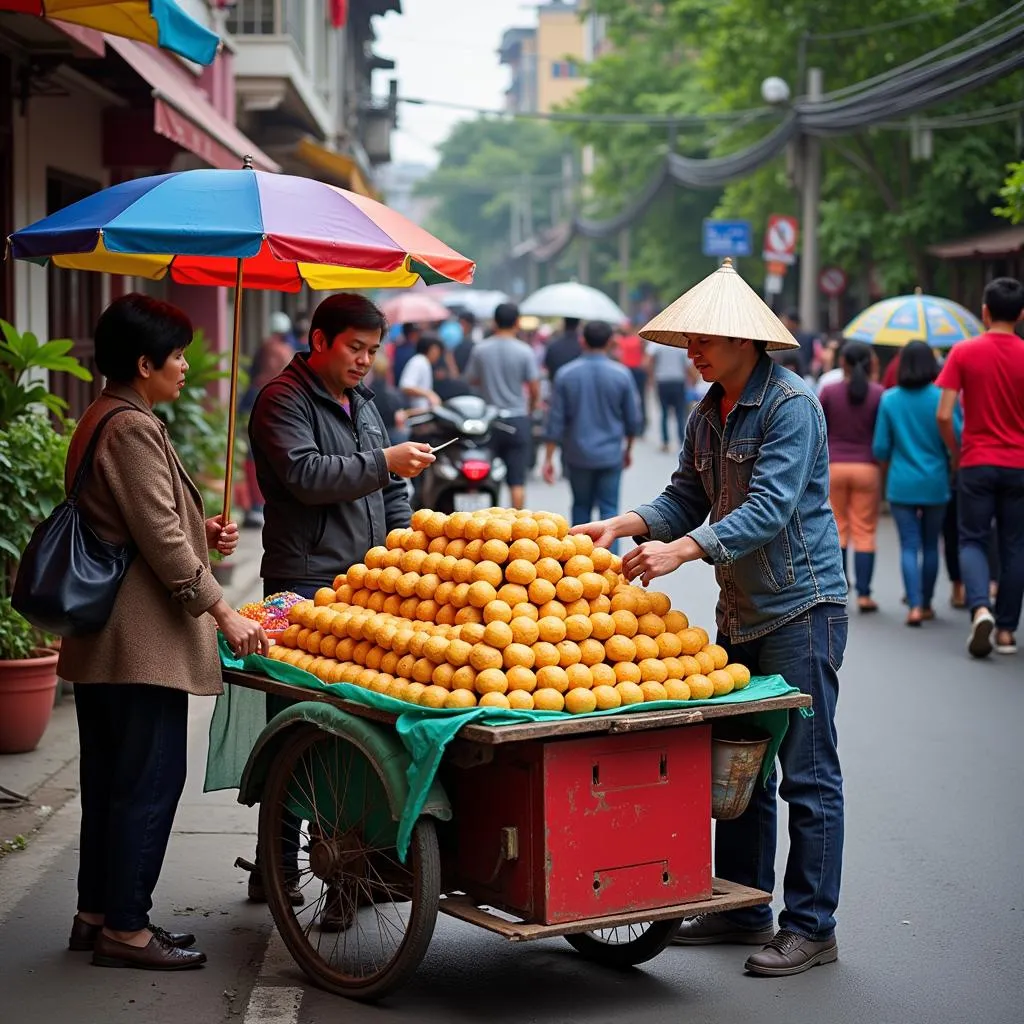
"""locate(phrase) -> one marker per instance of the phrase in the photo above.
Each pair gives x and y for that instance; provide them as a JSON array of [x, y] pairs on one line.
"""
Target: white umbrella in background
[[572, 300], [481, 302]]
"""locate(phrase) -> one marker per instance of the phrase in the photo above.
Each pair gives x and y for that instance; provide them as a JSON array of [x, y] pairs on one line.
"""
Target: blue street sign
[[727, 238]]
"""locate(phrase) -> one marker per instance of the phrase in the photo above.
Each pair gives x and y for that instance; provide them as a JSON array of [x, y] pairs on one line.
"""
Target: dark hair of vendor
[[136, 327], [341, 312], [856, 359]]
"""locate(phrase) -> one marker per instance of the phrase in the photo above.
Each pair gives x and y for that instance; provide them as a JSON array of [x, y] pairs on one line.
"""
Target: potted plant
[[34, 439]]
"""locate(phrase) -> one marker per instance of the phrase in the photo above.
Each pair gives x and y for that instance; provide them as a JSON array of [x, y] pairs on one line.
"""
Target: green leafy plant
[[22, 355], [18, 638], [1012, 194]]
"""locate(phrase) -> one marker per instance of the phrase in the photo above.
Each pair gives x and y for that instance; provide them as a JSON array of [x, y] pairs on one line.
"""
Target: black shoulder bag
[[68, 577]]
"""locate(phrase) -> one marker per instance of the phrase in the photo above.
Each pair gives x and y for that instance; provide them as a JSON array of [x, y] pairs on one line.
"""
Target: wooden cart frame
[[330, 777]]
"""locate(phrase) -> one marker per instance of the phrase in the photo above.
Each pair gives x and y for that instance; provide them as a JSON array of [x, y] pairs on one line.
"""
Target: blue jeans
[[594, 488], [987, 494], [808, 653], [133, 739], [919, 527], [672, 397]]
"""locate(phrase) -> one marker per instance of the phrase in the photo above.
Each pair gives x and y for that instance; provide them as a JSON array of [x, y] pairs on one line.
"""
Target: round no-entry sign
[[832, 281]]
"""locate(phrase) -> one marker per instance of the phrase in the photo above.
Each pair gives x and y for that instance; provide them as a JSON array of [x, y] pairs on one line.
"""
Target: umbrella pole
[[229, 470]]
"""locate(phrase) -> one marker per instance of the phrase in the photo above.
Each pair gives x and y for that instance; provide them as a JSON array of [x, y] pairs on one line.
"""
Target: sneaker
[[979, 644], [716, 929], [1005, 643], [789, 953]]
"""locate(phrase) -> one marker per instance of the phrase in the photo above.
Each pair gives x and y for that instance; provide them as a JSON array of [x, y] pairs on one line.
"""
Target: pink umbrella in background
[[414, 307]]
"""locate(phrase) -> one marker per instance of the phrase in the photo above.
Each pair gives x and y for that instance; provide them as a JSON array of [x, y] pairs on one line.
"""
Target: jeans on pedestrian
[[291, 826], [639, 374], [808, 653], [919, 528], [594, 489], [988, 493], [133, 745], [672, 397]]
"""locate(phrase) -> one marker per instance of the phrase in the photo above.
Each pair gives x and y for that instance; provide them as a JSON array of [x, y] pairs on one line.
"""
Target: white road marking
[[269, 1002]]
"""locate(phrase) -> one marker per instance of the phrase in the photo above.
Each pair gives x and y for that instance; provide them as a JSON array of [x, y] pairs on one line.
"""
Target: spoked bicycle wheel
[[626, 945], [325, 825]]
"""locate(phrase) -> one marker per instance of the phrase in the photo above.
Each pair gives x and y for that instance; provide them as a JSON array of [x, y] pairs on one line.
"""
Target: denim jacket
[[763, 479]]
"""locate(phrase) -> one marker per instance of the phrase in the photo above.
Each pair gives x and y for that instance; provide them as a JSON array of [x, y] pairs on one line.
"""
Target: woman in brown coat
[[133, 677]]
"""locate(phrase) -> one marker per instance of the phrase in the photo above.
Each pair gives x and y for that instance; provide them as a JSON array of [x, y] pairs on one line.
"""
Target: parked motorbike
[[466, 476]]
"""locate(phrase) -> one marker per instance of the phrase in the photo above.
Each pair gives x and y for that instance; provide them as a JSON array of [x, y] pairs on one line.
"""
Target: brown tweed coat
[[139, 491]]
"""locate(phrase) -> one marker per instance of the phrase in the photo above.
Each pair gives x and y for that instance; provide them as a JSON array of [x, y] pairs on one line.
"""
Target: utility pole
[[810, 179], [624, 258]]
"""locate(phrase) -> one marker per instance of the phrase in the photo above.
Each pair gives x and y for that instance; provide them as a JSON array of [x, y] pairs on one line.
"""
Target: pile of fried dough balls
[[502, 608]]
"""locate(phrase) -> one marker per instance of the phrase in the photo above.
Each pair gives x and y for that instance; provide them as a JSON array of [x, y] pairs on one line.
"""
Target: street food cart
[[593, 827]]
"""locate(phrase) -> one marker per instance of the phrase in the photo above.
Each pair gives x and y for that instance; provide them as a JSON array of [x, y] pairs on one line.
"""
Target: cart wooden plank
[[725, 896], [492, 735]]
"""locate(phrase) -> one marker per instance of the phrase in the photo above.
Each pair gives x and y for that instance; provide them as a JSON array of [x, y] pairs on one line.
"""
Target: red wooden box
[[562, 829]]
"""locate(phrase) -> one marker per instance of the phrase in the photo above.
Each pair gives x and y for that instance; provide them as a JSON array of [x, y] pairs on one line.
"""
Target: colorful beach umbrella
[[896, 322], [160, 23], [240, 229]]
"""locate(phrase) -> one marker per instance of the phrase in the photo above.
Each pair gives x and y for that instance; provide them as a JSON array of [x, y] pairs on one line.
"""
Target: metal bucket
[[737, 755]]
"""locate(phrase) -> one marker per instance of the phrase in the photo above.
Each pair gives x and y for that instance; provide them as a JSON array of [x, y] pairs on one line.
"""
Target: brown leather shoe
[[339, 911], [716, 929], [789, 953], [157, 955], [83, 936], [258, 894]]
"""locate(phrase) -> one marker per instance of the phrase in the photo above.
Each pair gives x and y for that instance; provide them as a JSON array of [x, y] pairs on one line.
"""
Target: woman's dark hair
[[918, 366], [340, 312], [856, 357], [426, 343], [136, 326]]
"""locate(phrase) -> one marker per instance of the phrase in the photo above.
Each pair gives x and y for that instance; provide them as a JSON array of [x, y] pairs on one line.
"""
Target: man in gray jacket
[[333, 483]]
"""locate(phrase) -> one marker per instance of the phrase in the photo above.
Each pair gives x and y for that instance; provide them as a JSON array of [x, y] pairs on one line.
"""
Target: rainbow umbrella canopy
[[896, 322], [160, 23], [240, 229]]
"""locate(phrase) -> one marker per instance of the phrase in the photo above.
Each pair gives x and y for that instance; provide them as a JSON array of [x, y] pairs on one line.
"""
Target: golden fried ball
[[374, 558], [603, 626], [519, 700], [547, 527], [619, 648], [435, 525], [524, 528], [446, 567], [459, 596], [521, 571], [701, 688], [568, 653], [464, 678], [544, 654], [594, 585], [525, 550], [474, 528], [653, 691], [393, 559], [415, 540], [675, 621], [653, 669], [578, 676], [376, 601], [578, 565], [521, 678], [517, 654], [443, 594], [548, 699], [719, 655], [669, 645], [442, 675], [495, 700], [580, 607], [474, 550], [602, 559], [607, 698], [553, 609], [436, 649], [646, 647], [489, 572], [484, 656], [288, 637], [550, 547], [457, 652], [568, 549], [407, 609], [525, 610], [591, 651], [455, 526], [513, 594], [472, 632], [551, 629], [629, 693], [406, 584], [467, 615], [569, 589], [578, 627], [323, 619], [433, 697], [389, 578], [495, 551], [389, 663], [463, 571], [625, 599], [343, 594], [650, 624], [481, 593], [355, 577], [524, 630], [437, 546], [677, 689], [497, 528], [498, 634], [626, 623], [675, 668], [395, 537], [423, 671], [740, 675], [491, 680], [426, 611], [323, 597], [722, 681], [460, 699], [420, 518], [456, 548], [627, 672], [541, 591], [584, 543], [497, 611], [706, 662], [580, 701], [374, 656], [552, 677]]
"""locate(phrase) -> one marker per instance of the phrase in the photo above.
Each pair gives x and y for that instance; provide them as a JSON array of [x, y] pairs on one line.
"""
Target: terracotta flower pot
[[27, 688]]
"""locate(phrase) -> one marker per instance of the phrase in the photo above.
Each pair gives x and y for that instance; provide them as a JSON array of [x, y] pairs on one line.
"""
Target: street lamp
[[775, 91]]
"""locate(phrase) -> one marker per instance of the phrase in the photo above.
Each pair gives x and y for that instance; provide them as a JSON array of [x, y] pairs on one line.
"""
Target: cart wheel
[[626, 945], [367, 918]]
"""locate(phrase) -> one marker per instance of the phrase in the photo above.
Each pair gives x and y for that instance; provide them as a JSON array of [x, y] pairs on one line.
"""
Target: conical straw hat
[[723, 304]]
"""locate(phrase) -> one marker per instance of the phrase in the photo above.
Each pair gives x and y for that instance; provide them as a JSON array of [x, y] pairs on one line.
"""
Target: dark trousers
[[133, 739], [807, 653], [672, 399], [987, 494], [951, 541], [291, 826], [594, 488], [639, 374]]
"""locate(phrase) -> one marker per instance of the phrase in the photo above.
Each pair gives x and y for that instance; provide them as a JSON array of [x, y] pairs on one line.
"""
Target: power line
[[885, 26]]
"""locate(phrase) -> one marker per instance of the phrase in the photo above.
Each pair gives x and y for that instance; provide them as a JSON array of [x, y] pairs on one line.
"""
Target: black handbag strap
[[86, 464]]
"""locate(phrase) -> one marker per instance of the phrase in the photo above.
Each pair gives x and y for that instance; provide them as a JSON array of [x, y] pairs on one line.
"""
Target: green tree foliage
[[486, 167], [879, 206], [1012, 194]]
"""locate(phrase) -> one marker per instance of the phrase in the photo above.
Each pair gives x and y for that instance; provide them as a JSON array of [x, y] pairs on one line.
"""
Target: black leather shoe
[[339, 911], [157, 955], [789, 953], [716, 929], [83, 936]]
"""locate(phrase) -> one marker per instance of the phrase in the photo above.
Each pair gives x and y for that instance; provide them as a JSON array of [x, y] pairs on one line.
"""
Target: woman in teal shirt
[[917, 487]]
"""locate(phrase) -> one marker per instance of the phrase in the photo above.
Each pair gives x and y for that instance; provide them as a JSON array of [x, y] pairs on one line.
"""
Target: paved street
[[931, 921]]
